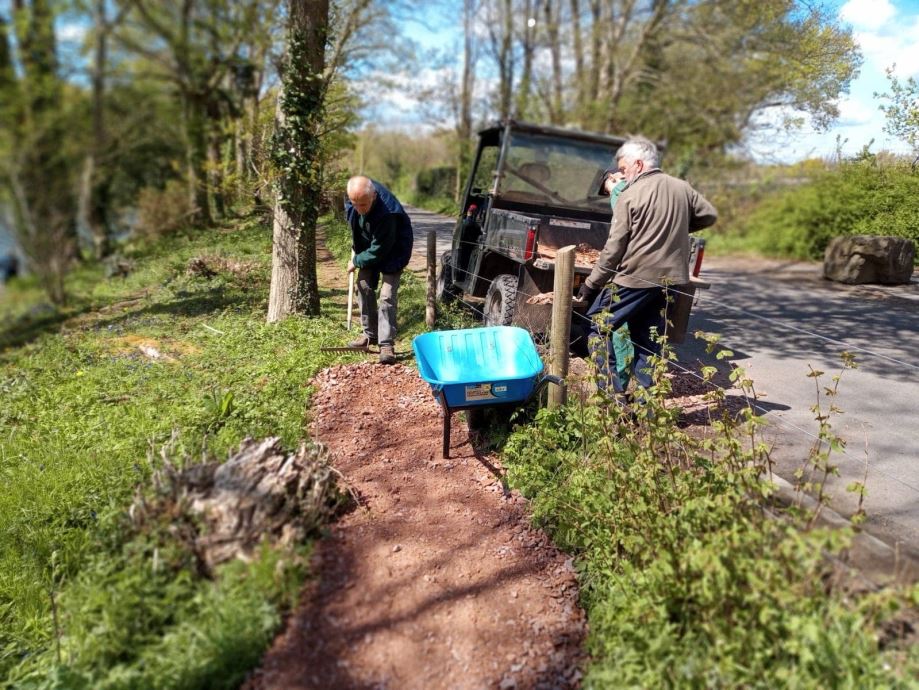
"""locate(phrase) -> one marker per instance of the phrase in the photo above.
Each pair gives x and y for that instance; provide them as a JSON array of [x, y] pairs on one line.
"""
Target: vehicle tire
[[446, 291], [501, 301]]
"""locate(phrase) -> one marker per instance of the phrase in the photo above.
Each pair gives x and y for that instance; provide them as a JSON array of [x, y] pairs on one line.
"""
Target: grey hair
[[359, 186], [641, 149]]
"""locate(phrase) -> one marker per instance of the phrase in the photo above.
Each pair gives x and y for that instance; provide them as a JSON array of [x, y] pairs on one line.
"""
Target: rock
[[858, 259]]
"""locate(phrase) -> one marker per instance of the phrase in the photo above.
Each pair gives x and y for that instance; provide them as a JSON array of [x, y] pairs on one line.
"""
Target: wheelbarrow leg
[[447, 415]]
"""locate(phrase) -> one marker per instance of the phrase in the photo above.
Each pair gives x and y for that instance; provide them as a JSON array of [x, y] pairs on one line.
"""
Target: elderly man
[[381, 236], [647, 250]]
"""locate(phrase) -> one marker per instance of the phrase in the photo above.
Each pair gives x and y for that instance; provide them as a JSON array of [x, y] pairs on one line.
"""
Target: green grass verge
[[82, 409], [686, 581]]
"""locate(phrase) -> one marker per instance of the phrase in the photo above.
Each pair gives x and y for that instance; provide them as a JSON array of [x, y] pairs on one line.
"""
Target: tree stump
[[224, 511]]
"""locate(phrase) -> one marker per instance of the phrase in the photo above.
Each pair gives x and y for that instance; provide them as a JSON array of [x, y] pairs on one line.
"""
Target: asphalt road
[[779, 319]]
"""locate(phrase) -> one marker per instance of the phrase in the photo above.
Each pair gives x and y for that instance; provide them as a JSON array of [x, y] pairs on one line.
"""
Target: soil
[[436, 579]]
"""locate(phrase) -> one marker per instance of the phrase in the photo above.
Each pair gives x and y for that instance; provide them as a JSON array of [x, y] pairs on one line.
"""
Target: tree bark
[[553, 20], [577, 42], [294, 285], [528, 47], [467, 88], [96, 183]]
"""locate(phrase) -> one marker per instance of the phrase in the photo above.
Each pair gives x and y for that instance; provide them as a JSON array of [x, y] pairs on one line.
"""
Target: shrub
[[436, 182], [162, 211], [857, 197], [686, 581]]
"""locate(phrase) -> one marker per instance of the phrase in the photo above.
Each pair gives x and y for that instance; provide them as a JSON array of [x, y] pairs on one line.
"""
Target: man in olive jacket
[[647, 250], [381, 236]]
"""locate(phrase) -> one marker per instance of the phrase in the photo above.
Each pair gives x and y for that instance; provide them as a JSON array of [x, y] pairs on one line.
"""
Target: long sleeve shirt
[[648, 242]]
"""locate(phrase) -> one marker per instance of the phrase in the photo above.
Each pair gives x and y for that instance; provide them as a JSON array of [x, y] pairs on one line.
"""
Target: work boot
[[362, 343], [387, 354]]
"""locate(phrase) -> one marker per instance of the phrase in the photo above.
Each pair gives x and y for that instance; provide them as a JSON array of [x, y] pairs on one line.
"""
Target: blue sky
[[887, 32]]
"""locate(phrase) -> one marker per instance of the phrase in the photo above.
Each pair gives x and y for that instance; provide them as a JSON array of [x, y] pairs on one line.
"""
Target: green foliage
[[855, 197], [81, 410], [162, 211], [686, 581], [145, 622], [902, 109], [436, 182]]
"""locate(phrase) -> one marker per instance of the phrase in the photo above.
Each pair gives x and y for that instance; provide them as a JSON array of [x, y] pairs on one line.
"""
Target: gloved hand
[[587, 293]]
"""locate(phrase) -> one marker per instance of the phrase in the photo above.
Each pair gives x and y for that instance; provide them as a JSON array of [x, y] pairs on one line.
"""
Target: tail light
[[700, 251], [530, 249]]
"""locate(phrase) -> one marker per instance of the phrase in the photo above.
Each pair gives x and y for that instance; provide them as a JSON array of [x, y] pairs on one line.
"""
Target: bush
[[857, 197], [686, 581], [436, 182], [162, 211]]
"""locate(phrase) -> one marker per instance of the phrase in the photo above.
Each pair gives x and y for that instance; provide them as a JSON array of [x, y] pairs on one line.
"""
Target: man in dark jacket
[[381, 236], [647, 250]]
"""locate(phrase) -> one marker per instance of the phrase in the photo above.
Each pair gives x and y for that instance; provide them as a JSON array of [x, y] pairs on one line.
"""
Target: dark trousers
[[643, 310]]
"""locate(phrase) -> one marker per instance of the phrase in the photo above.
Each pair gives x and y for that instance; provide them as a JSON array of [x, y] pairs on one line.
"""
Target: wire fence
[[847, 346]]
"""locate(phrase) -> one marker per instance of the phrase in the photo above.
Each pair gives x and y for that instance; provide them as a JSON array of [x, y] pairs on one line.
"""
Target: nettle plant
[[690, 573]]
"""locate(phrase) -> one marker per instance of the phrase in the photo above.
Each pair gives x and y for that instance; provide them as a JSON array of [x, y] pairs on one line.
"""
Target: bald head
[[361, 193]]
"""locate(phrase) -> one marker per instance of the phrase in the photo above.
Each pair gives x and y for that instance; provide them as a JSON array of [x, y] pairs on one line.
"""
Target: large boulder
[[857, 259]]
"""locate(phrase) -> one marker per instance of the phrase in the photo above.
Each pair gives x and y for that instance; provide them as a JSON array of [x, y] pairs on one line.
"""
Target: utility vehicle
[[535, 189]]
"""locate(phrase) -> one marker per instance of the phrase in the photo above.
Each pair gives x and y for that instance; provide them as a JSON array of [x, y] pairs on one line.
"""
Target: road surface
[[779, 319]]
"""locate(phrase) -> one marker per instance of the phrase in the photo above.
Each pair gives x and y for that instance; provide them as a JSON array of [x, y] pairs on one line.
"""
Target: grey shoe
[[387, 354], [362, 343]]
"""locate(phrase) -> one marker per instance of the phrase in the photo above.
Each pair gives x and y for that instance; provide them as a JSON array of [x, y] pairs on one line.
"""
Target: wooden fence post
[[430, 312], [560, 333]]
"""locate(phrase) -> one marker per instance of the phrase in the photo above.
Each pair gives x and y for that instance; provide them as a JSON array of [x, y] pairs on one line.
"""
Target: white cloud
[[867, 14], [71, 32], [855, 113]]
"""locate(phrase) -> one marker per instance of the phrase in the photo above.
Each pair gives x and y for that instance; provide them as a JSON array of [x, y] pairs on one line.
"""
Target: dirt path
[[436, 580]]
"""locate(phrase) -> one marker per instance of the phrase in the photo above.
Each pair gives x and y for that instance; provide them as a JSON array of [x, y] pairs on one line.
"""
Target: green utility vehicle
[[534, 189]]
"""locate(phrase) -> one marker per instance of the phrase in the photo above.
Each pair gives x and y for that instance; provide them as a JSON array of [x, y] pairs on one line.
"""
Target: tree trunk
[[195, 126], [553, 20], [506, 60], [467, 88], [38, 170], [7, 75], [94, 193], [214, 183], [296, 151], [577, 42], [522, 109]]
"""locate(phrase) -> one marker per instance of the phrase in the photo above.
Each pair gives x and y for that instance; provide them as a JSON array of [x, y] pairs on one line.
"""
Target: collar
[[646, 173]]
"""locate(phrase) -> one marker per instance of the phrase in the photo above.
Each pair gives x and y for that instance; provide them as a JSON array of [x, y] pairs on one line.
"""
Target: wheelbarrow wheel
[[501, 301]]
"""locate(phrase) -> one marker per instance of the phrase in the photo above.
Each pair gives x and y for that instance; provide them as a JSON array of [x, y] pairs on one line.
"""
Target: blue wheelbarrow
[[477, 367]]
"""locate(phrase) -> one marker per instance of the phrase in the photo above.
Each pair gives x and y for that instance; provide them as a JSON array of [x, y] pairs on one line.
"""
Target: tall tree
[[463, 115], [294, 286], [700, 74], [35, 165], [95, 187], [195, 44]]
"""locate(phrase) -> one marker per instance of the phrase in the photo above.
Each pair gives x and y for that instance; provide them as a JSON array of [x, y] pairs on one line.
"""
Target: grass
[[84, 403]]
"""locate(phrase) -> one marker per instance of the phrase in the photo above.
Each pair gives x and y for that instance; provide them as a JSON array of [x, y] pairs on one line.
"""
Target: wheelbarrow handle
[[547, 378]]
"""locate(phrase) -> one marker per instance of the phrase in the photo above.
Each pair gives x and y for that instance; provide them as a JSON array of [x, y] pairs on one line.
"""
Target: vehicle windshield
[[546, 170]]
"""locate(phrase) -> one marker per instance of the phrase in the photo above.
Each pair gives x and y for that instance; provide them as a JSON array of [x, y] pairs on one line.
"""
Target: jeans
[[642, 309], [379, 325]]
